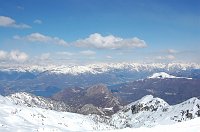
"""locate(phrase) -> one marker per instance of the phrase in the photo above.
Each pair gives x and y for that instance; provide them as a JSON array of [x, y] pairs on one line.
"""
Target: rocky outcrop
[[98, 96]]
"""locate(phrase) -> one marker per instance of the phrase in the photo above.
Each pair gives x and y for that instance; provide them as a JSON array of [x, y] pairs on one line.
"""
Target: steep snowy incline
[[18, 118], [30, 100]]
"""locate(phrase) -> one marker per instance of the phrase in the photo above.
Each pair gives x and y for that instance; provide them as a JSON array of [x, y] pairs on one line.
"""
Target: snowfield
[[153, 115], [18, 118], [188, 126]]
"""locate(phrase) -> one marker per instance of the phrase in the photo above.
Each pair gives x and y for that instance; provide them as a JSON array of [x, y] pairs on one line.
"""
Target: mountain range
[[104, 96], [48, 80]]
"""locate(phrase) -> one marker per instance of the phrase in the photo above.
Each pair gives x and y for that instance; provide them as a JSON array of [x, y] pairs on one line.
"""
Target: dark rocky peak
[[97, 90]]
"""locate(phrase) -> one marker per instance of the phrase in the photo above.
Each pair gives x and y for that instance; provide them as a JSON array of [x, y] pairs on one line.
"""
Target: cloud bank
[[9, 22], [14, 55], [98, 41], [37, 21], [38, 37], [167, 57], [88, 53]]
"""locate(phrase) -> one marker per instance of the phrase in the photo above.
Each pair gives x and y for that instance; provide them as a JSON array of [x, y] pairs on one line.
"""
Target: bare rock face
[[97, 90], [98, 96]]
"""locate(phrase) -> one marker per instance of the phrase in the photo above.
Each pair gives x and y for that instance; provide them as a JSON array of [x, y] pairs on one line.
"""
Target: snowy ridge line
[[97, 68], [150, 112], [163, 75]]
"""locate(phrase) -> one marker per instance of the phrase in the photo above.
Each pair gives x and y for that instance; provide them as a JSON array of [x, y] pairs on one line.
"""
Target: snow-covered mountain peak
[[97, 68], [162, 75], [150, 112]]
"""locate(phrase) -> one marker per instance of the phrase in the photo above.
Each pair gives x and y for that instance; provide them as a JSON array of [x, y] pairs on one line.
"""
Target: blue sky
[[89, 31]]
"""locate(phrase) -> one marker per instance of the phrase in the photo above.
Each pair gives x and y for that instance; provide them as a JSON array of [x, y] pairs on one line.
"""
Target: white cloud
[[96, 40], [38, 37], [9, 22], [45, 56], [109, 57], [159, 57], [37, 21], [168, 57], [14, 55], [20, 7], [18, 56], [172, 51], [65, 53], [88, 53], [3, 55]]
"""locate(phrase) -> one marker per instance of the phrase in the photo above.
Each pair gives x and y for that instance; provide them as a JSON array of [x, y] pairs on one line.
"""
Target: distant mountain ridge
[[50, 79], [173, 90], [98, 68]]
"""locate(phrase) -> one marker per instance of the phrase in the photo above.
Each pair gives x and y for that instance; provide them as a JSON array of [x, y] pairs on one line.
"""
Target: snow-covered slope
[[188, 126], [149, 114], [30, 100], [163, 75], [150, 111], [19, 118]]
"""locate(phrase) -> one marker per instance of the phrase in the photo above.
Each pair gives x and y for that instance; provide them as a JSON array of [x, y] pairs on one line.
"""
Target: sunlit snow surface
[[163, 75], [25, 119], [17, 118], [188, 126]]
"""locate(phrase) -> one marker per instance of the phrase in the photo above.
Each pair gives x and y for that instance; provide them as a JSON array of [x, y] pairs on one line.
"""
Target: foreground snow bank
[[188, 126], [27, 119]]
